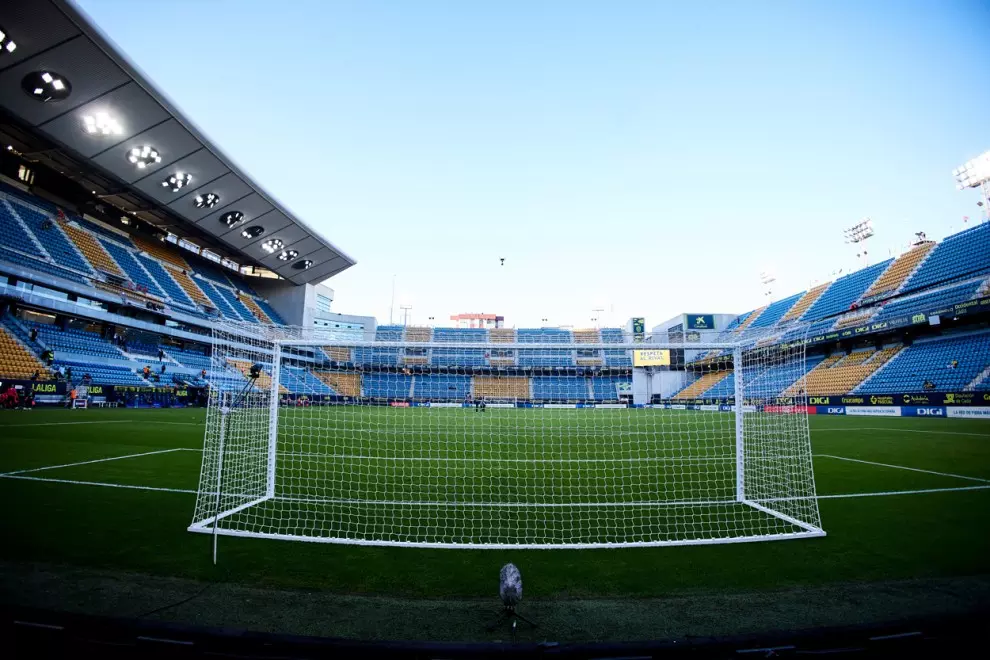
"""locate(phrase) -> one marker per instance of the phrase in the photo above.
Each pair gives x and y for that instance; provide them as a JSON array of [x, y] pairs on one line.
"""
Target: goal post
[[456, 441]]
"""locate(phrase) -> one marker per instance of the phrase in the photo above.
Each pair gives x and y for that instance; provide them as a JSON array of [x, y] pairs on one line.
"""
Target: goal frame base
[[207, 526]]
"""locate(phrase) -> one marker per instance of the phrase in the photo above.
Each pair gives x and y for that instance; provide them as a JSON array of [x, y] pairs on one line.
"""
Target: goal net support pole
[[377, 443]]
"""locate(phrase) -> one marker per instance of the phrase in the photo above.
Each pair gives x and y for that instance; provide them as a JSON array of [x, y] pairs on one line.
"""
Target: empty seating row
[[948, 365], [960, 255]]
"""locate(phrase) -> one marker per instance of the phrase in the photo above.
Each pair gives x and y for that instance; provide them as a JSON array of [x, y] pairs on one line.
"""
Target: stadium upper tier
[[927, 276], [36, 236]]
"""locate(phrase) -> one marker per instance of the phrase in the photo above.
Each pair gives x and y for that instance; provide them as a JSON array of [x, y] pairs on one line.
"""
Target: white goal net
[[454, 438]]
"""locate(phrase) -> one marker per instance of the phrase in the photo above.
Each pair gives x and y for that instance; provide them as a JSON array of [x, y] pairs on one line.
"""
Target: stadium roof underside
[[55, 37]]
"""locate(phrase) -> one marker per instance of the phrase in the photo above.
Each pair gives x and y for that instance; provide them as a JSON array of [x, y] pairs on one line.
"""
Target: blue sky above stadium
[[647, 158]]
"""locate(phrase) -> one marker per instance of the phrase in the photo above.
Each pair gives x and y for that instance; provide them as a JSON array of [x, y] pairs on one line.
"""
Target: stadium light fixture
[[207, 201], [177, 181], [101, 124], [287, 255], [253, 232], [859, 232], [232, 218], [144, 156], [46, 86], [7, 44], [303, 265], [271, 245], [976, 174]]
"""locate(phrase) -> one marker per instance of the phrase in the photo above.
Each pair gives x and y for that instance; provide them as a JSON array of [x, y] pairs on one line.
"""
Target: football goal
[[453, 440]]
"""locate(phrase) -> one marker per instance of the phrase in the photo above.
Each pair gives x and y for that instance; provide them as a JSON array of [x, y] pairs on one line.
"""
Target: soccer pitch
[[115, 489]]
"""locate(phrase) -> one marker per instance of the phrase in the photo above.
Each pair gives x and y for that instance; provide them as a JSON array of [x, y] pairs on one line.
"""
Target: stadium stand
[[95, 253], [605, 388], [806, 301], [844, 292], [775, 311], [587, 336], [899, 271], [961, 255], [219, 301], [702, 384], [747, 319], [76, 342], [840, 374], [254, 308], [441, 386], [550, 388], [460, 335], [345, 384], [189, 286], [49, 234], [158, 250], [387, 386], [500, 387], [263, 382], [458, 357], [932, 360], [135, 272], [420, 334], [16, 361], [171, 288], [502, 335], [297, 379], [930, 300]]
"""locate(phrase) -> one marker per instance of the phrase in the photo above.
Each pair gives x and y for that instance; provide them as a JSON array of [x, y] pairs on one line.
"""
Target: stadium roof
[[102, 120]]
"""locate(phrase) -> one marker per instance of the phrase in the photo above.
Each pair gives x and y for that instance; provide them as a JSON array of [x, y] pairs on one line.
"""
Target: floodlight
[[209, 200], [271, 245], [287, 255], [101, 123], [232, 218], [253, 232], [303, 265], [141, 157], [7, 44], [974, 173], [46, 86], [177, 181]]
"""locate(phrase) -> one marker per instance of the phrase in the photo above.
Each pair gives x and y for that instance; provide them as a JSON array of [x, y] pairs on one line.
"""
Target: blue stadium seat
[[961, 255], [135, 272], [931, 360], [386, 386], [550, 388], [461, 335], [163, 278], [606, 387], [51, 238], [72, 340], [929, 302], [844, 292], [775, 311], [298, 380], [442, 387]]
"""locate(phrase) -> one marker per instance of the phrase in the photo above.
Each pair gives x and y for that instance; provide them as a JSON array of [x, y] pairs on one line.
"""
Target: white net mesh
[[459, 439]]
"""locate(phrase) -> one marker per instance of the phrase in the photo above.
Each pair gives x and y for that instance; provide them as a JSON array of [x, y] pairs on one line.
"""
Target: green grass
[[935, 534]]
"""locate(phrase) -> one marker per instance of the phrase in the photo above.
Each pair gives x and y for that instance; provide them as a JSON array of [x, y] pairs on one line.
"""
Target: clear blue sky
[[648, 158]]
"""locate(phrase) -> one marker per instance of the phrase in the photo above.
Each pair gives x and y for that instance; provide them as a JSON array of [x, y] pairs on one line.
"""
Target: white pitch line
[[903, 467], [876, 428], [186, 491], [97, 483], [105, 421], [96, 460]]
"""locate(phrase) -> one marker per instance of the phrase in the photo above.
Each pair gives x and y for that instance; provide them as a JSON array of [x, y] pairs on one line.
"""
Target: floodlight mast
[[857, 235], [976, 174]]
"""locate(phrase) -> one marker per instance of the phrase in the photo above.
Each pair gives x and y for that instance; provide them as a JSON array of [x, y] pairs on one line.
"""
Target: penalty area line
[[903, 467], [95, 460], [187, 491]]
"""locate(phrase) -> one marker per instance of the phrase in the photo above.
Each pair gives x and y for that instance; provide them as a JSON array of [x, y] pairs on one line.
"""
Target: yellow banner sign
[[652, 358]]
